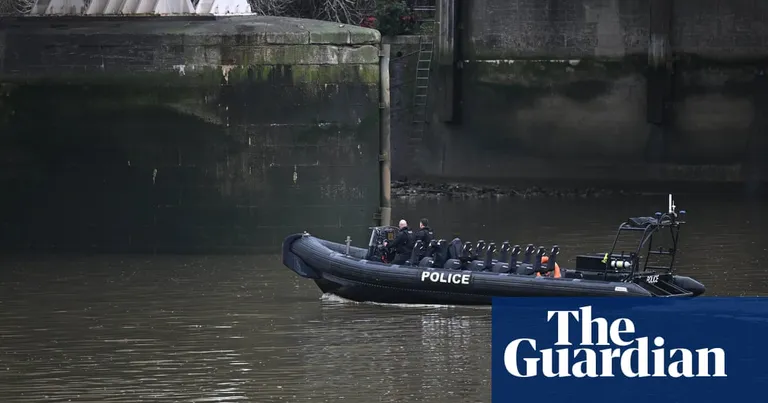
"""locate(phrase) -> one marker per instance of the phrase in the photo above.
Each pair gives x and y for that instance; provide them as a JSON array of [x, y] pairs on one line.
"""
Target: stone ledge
[[243, 30]]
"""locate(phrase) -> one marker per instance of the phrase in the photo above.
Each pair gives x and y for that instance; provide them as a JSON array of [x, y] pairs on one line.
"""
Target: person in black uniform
[[424, 234], [403, 243]]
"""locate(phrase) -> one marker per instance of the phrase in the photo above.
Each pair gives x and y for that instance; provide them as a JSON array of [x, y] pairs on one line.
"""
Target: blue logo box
[[626, 350]]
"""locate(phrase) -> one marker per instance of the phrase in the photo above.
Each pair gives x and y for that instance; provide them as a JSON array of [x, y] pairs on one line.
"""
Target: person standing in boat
[[403, 243], [424, 234]]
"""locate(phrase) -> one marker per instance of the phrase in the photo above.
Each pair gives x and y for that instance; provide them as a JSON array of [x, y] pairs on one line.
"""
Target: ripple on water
[[144, 337], [185, 328]]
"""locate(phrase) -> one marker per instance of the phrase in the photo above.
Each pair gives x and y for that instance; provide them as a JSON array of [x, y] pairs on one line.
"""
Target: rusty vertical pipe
[[385, 160]]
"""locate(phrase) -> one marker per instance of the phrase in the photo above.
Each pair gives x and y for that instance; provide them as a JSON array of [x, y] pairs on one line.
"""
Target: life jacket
[[428, 235], [411, 239]]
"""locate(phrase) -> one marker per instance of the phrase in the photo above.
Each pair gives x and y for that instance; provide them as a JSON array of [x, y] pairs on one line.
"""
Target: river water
[[244, 328]]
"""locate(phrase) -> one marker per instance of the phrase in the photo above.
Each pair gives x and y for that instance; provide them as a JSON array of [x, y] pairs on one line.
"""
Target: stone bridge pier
[[188, 133]]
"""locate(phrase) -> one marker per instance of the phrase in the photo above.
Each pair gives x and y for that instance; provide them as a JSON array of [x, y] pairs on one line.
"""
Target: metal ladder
[[423, 69]]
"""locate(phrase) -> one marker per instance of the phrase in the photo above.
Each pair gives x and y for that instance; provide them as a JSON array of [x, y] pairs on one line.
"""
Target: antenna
[[671, 204]]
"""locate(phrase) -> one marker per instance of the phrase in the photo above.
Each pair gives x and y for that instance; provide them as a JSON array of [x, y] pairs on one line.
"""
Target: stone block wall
[[572, 89], [186, 135]]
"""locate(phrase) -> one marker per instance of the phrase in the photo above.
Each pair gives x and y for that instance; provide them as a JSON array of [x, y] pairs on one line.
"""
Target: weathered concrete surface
[[561, 89], [186, 135], [402, 71]]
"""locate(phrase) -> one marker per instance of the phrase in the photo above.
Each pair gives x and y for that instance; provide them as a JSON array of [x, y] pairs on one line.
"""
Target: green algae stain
[[335, 74], [543, 73], [262, 72]]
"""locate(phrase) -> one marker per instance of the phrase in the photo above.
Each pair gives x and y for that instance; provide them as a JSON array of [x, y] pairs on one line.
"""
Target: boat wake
[[335, 299]]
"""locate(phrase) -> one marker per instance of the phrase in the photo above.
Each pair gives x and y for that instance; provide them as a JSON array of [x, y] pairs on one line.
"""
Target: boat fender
[[555, 273]]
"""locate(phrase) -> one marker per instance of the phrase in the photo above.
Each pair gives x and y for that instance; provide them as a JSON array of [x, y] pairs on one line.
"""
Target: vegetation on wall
[[390, 17]]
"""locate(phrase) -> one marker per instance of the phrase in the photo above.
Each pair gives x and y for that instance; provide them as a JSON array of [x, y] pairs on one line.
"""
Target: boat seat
[[458, 262], [432, 249], [528, 253], [475, 265], [504, 251], [418, 248], [454, 249], [477, 253], [452, 264], [500, 267], [551, 268], [524, 269], [536, 264], [468, 256], [441, 253], [511, 267], [488, 262], [427, 262]]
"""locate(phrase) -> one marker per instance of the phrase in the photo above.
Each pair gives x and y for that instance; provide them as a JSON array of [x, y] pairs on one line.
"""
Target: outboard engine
[[418, 247], [429, 260]]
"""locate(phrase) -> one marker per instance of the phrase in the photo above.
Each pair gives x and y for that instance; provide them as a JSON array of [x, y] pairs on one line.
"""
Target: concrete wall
[[642, 89], [186, 135], [402, 68]]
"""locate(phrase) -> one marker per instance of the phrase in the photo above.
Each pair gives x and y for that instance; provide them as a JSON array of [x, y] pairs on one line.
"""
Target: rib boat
[[460, 273]]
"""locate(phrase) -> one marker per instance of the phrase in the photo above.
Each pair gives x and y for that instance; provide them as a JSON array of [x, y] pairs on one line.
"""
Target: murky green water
[[244, 328]]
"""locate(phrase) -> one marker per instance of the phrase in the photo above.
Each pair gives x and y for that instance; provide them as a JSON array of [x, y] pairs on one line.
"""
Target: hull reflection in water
[[405, 353], [454, 274]]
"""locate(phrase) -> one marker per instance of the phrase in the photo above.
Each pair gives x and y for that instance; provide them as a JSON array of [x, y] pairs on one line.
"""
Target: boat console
[[376, 249]]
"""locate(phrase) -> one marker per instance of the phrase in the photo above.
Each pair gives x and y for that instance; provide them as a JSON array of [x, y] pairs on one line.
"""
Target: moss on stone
[[368, 74], [212, 77], [541, 73], [331, 74]]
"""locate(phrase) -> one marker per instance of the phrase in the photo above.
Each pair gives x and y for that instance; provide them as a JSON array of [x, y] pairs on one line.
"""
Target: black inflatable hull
[[352, 277]]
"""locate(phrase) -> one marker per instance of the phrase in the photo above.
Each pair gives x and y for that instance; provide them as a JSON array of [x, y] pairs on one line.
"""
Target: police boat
[[456, 273]]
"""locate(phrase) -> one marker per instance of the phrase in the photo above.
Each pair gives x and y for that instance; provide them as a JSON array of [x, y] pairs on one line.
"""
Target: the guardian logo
[[629, 355]]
